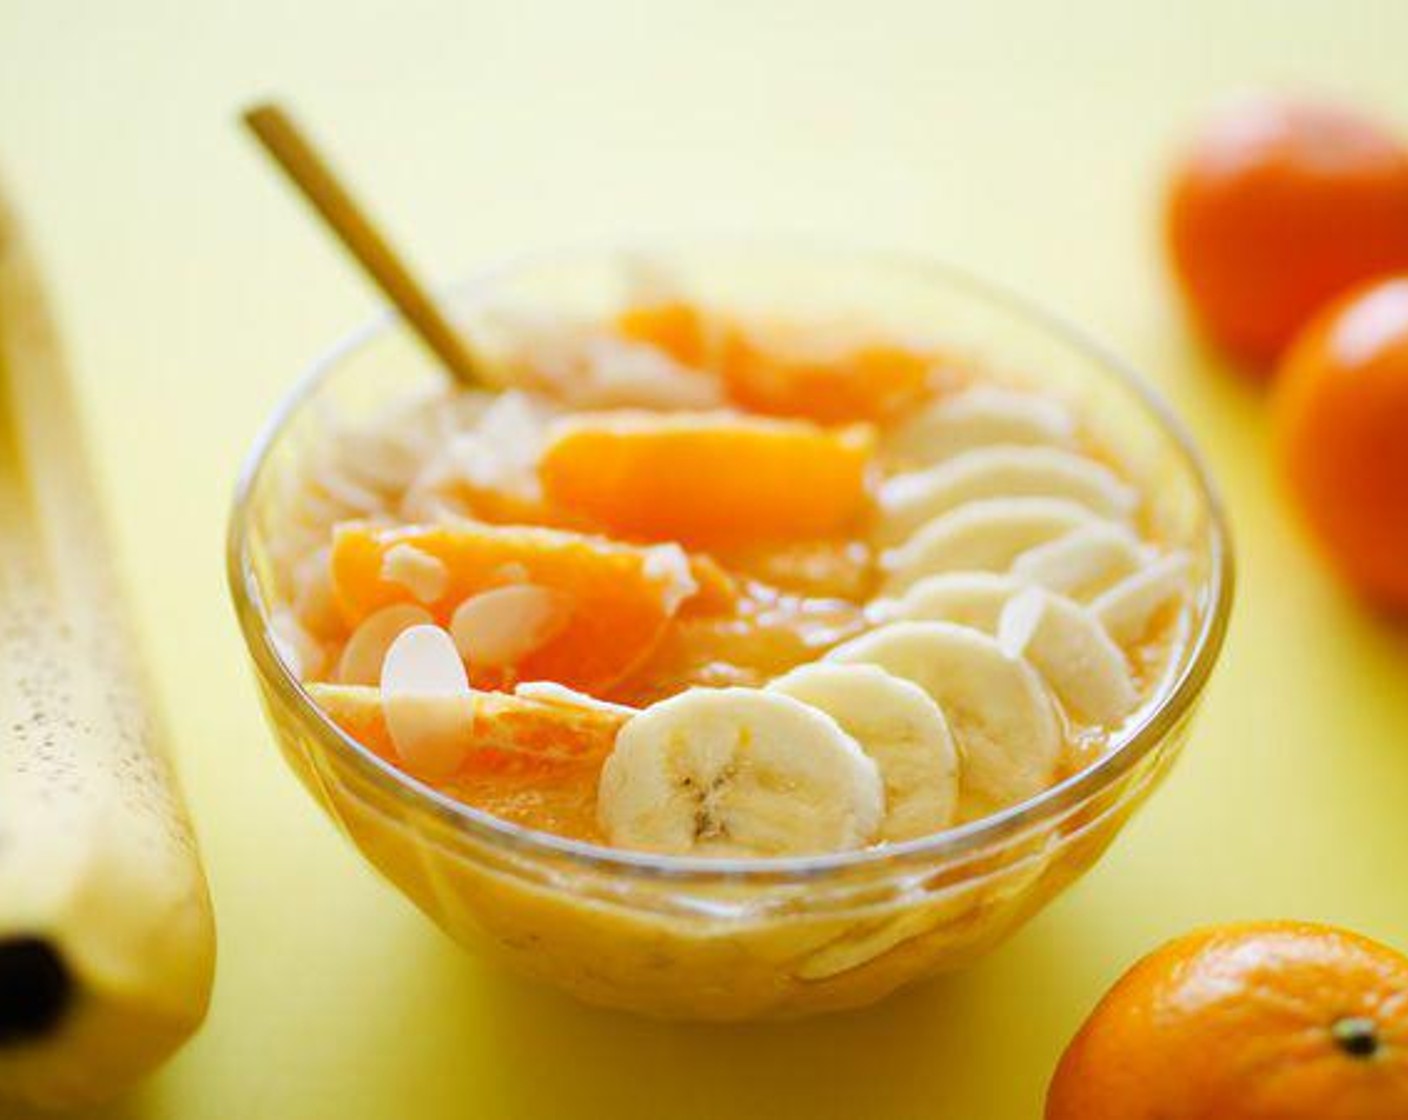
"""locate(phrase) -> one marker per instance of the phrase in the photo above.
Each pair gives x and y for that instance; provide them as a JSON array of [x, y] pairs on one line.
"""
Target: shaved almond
[[427, 702], [550, 692], [504, 625], [425, 576], [366, 649]]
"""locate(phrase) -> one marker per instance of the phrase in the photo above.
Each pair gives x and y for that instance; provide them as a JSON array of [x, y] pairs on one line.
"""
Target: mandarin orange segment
[[779, 373], [535, 764], [718, 591], [768, 634], [869, 382], [704, 479], [679, 329], [501, 507], [621, 598], [561, 801], [510, 733]]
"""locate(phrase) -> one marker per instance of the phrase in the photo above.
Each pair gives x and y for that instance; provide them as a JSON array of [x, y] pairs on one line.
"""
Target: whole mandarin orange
[[1255, 1021], [1341, 423], [1278, 207]]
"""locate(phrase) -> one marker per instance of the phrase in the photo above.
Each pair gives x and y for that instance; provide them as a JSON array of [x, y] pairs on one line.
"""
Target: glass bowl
[[731, 939]]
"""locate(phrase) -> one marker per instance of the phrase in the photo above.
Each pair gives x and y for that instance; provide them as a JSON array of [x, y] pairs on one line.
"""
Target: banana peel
[[107, 943]]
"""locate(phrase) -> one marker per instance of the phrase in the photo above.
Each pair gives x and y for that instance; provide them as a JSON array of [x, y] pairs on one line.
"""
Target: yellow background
[[1026, 141]]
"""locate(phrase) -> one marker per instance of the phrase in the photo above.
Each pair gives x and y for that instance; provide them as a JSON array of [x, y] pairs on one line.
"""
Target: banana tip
[[36, 989]]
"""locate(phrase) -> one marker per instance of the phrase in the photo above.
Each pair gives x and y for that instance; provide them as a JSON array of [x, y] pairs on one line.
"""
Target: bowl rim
[[1135, 743]]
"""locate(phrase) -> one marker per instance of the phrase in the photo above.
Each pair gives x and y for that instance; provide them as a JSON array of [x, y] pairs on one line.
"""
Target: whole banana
[[106, 934]]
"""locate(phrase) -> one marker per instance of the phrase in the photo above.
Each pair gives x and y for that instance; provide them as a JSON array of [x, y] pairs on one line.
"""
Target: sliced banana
[[1085, 561], [908, 501], [971, 599], [1085, 669], [995, 704], [985, 536], [738, 772], [898, 725], [1127, 608], [978, 417], [1061, 638]]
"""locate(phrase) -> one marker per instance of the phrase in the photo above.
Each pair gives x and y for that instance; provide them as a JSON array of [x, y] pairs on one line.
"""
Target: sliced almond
[[366, 649], [423, 575], [550, 692], [427, 701], [504, 625]]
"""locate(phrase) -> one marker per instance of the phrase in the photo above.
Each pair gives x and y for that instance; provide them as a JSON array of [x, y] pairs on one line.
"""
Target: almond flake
[[504, 625], [423, 575], [427, 702], [550, 692], [366, 649]]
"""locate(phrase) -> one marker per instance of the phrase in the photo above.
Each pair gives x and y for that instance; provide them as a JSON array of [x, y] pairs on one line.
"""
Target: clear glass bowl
[[730, 939]]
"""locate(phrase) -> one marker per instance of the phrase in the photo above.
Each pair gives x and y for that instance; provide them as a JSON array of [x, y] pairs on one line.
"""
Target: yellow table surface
[[1027, 141]]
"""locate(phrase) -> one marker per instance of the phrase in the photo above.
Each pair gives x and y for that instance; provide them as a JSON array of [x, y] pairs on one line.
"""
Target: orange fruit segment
[[501, 507], [619, 598], [708, 478], [768, 634], [562, 801], [717, 593], [783, 372], [535, 764], [873, 382], [508, 731], [679, 329]]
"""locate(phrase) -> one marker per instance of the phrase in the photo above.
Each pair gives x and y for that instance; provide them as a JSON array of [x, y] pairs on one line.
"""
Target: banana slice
[[971, 599], [1085, 669], [907, 501], [900, 727], [1127, 608], [985, 536], [996, 705], [1085, 561], [738, 772], [1061, 638], [978, 417]]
